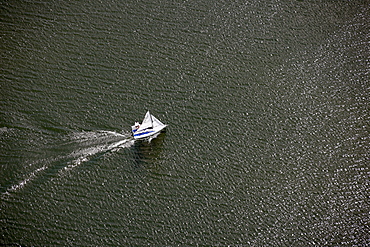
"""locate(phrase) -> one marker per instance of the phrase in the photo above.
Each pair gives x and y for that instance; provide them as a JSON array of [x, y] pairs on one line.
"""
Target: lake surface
[[267, 104]]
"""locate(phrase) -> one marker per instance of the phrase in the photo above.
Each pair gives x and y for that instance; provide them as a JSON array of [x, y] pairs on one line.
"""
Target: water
[[268, 111]]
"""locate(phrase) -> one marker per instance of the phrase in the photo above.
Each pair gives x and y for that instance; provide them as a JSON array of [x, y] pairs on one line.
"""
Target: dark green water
[[267, 104]]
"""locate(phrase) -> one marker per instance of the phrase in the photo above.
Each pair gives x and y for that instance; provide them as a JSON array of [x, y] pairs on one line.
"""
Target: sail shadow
[[148, 150]]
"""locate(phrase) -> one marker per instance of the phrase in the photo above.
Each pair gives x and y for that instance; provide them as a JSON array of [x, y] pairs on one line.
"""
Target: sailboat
[[148, 128]]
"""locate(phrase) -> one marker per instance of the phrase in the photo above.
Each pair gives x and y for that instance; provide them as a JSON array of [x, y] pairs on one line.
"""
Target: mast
[[151, 119]]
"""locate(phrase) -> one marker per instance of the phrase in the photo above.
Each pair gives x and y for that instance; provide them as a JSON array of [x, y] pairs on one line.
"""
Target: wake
[[76, 149], [91, 144]]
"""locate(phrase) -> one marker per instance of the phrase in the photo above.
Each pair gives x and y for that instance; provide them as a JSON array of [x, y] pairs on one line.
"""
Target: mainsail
[[147, 122]]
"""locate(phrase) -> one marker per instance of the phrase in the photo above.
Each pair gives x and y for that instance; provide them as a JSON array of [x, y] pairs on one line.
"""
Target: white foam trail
[[90, 135], [84, 155], [120, 144], [92, 140], [22, 183]]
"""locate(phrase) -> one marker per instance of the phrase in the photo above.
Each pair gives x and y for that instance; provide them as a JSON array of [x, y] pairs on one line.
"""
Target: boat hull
[[147, 132]]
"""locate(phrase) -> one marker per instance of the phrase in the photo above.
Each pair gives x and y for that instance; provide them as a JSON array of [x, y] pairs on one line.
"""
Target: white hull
[[147, 132]]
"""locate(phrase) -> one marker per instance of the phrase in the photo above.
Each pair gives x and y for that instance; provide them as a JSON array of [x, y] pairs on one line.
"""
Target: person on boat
[[137, 125]]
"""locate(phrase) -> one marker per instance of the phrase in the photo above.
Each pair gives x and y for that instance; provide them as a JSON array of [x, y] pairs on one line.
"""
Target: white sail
[[147, 122], [157, 123]]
